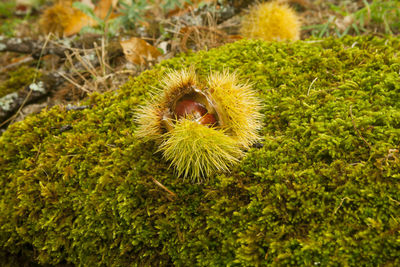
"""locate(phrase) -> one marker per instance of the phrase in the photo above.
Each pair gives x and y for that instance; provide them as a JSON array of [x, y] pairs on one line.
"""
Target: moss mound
[[77, 186]]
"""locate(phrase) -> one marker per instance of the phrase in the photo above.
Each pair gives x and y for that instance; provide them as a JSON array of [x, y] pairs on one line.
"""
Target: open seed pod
[[191, 103], [196, 151], [237, 107], [201, 129]]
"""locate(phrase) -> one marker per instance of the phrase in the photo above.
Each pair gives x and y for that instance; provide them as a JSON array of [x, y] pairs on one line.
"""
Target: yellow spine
[[271, 21]]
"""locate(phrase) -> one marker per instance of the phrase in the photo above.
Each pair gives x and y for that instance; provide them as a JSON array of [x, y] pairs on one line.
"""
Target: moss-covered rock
[[18, 79], [77, 186]]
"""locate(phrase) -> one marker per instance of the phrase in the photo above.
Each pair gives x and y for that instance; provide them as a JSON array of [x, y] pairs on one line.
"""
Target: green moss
[[18, 79], [324, 189]]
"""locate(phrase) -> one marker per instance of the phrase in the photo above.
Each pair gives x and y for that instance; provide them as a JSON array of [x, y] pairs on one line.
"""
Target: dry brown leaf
[[102, 8], [76, 22], [138, 51], [80, 20]]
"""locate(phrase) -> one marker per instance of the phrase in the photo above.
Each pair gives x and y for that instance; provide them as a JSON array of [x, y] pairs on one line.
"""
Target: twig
[[196, 29], [69, 79], [100, 58], [30, 46], [163, 187], [33, 82], [87, 64], [394, 200], [341, 203], [27, 59], [77, 72], [309, 88], [68, 108]]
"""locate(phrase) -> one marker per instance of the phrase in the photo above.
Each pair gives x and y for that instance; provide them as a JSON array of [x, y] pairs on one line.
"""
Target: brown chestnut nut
[[190, 107], [208, 119]]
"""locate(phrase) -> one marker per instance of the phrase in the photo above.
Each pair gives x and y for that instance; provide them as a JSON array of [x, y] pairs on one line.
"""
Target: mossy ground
[[17, 79], [77, 186]]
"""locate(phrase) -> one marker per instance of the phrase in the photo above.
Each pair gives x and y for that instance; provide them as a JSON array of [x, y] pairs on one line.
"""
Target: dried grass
[[90, 71]]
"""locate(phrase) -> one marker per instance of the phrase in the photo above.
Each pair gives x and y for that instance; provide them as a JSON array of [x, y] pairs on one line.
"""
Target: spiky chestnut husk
[[157, 116], [237, 107], [149, 119], [177, 84], [150, 116], [56, 18], [271, 21], [196, 151], [201, 129]]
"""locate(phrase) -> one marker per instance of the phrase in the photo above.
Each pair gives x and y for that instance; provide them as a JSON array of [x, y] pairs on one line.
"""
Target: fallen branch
[[171, 194], [341, 203], [29, 46], [26, 60]]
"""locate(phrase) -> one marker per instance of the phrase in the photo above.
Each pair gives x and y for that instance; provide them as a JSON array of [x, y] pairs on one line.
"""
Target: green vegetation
[[77, 186], [7, 24], [375, 17], [7, 8]]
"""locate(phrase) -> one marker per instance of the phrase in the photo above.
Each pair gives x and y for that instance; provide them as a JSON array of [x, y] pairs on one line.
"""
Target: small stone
[[6, 101], [38, 87]]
